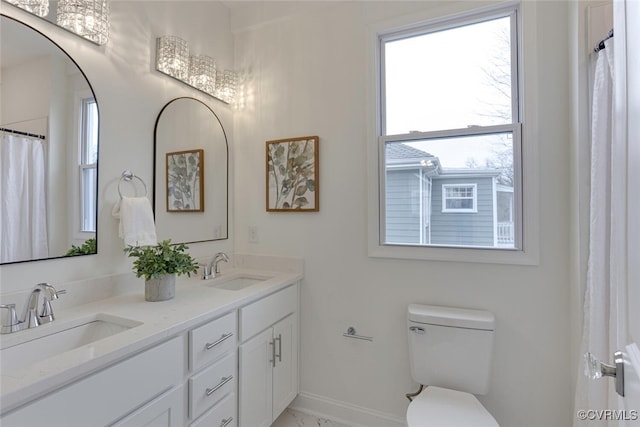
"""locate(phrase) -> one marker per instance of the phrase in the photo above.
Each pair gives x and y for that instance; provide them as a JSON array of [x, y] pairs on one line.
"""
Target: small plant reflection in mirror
[[89, 247], [292, 174]]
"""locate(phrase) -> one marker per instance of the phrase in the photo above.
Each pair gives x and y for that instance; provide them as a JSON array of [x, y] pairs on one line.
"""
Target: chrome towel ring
[[127, 175]]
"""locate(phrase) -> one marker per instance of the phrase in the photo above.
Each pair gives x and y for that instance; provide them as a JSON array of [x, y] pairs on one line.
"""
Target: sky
[[447, 87]]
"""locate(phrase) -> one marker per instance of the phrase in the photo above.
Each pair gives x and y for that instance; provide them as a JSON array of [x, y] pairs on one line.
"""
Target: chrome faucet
[[31, 318], [211, 270]]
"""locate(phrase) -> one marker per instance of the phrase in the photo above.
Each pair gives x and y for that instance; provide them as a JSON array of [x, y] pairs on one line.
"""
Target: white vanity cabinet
[[213, 372], [236, 367], [268, 357], [167, 410], [138, 386]]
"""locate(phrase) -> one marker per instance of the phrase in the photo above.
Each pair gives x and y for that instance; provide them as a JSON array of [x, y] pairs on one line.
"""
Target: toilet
[[450, 355]]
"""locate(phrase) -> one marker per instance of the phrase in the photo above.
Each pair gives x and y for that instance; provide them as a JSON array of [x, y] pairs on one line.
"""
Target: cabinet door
[[255, 386], [285, 373], [165, 411]]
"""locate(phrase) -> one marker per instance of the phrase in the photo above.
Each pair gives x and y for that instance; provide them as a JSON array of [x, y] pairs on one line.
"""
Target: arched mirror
[[191, 170], [48, 150]]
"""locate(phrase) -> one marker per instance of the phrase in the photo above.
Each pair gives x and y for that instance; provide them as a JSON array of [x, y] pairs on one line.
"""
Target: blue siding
[[463, 228], [403, 207]]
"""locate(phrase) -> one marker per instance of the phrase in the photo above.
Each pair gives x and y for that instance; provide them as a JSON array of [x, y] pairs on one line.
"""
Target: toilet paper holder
[[351, 333]]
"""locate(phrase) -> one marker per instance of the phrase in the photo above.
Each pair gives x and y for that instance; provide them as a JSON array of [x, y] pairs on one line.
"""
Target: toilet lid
[[442, 407]]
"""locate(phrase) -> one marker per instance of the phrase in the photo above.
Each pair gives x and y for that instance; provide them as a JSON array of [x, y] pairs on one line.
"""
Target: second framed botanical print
[[292, 175]]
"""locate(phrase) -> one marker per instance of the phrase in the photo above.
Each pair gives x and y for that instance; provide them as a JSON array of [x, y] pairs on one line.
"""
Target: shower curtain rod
[[601, 45], [18, 132]]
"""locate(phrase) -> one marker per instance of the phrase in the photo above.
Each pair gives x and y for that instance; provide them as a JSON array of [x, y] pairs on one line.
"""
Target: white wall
[[307, 75], [130, 94]]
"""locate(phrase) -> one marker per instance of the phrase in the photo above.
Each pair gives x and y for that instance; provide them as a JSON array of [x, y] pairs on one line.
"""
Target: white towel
[[136, 221]]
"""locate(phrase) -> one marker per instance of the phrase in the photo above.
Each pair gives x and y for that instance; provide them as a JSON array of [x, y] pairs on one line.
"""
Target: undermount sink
[[236, 283], [59, 338]]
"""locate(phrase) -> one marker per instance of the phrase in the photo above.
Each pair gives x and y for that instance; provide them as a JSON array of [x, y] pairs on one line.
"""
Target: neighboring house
[[428, 204]]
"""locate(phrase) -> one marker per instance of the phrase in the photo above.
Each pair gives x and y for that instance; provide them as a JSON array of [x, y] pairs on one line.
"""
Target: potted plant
[[159, 266]]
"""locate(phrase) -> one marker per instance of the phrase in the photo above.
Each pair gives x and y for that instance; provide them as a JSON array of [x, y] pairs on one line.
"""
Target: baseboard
[[345, 413]]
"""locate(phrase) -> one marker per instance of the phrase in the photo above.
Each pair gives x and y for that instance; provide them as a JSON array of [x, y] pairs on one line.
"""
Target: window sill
[[474, 255]]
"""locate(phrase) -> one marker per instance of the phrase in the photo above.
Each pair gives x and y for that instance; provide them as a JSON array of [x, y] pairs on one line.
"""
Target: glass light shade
[[226, 85], [87, 18], [37, 7], [202, 73], [173, 57]]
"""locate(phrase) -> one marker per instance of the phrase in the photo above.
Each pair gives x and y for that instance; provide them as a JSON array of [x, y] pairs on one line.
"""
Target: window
[[450, 133], [88, 168], [459, 198]]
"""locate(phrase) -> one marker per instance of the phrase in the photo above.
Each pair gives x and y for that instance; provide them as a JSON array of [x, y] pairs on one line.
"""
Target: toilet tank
[[451, 347]]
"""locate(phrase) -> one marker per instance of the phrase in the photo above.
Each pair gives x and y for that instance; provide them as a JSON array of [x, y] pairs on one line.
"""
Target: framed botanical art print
[[185, 181], [292, 175]]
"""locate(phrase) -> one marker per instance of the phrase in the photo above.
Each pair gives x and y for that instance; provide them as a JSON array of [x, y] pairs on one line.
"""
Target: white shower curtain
[[23, 215], [599, 305]]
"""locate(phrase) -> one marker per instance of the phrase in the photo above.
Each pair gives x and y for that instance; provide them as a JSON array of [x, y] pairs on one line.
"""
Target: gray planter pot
[[161, 289]]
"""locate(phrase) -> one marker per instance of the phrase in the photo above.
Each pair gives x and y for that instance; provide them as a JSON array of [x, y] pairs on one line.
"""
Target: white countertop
[[195, 302]]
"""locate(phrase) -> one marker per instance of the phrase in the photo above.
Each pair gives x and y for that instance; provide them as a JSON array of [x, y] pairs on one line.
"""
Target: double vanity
[[223, 352]]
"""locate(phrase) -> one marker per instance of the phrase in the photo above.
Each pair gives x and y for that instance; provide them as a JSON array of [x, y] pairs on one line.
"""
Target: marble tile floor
[[291, 418]]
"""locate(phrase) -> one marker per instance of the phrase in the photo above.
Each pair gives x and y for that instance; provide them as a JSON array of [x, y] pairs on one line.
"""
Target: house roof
[[404, 151], [401, 156]]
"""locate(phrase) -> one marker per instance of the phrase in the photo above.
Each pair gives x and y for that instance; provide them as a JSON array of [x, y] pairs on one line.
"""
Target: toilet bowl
[[450, 353], [441, 407]]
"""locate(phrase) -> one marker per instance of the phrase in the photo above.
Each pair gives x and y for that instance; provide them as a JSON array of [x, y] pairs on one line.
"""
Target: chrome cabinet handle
[[272, 343], [210, 345], [417, 330], [279, 355], [224, 380], [226, 421]]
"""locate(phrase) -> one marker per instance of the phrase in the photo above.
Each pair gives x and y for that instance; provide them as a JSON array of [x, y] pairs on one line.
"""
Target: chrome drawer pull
[[226, 422], [272, 343], [225, 380], [210, 345]]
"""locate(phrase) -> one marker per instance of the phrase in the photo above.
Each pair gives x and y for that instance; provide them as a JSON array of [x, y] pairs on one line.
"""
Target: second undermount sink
[[236, 283], [58, 339]]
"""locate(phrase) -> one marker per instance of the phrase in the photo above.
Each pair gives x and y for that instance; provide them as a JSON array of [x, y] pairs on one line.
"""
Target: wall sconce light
[[86, 18], [197, 71], [202, 73], [37, 7], [173, 57], [228, 85]]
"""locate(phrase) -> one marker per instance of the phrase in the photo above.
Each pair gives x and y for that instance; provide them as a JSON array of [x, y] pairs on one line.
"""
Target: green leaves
[[87, 248], [154, 261]]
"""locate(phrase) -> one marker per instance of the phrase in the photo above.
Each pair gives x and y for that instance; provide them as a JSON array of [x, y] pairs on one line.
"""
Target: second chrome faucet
[[211, 270]]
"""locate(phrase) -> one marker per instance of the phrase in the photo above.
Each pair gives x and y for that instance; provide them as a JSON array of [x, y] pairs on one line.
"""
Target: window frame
[[474, 198], [526, 250], [78, 113]]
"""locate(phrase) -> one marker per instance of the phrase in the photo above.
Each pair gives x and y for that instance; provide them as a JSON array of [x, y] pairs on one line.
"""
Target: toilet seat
[[441, 407]]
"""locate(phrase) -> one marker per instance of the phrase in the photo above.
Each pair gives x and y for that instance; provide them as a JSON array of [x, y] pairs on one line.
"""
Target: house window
[[88, 169], [459, 198], [450, 133]]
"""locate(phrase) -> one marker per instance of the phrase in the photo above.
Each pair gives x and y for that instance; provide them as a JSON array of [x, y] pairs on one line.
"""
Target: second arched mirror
[[191, 163]]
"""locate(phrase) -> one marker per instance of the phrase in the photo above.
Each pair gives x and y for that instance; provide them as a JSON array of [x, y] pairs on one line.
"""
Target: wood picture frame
[[185, 181], [292, 175]]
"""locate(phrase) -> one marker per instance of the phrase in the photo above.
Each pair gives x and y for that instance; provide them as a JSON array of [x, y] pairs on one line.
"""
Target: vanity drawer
[[209, 342], [211, 385], [224, 414], [258, 316]]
